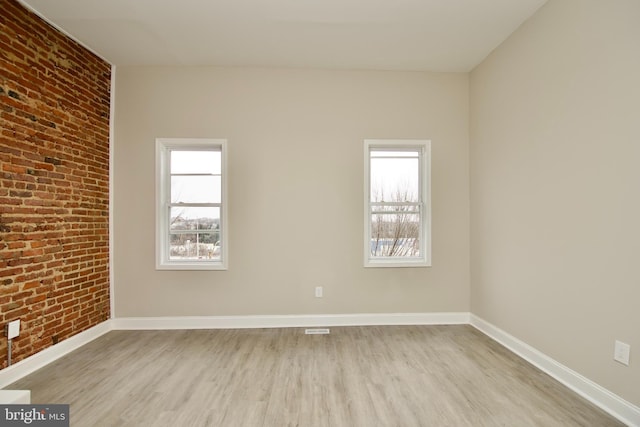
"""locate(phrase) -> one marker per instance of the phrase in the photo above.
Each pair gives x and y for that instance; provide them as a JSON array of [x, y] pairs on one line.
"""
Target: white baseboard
[[24, 367], [15, 397], [609, 402], [289, 321], [596, 394]]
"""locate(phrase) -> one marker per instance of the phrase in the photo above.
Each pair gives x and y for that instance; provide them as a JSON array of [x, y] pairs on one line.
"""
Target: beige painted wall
[[296, 188], [555, 200]]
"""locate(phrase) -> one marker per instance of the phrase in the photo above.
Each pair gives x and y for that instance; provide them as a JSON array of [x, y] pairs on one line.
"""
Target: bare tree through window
[[395, 224]]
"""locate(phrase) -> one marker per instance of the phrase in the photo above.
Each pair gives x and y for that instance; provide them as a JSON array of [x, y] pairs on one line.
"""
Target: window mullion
[[194, 205]]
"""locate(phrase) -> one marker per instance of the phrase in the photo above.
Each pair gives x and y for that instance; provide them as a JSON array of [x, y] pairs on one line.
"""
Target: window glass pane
[[188, 218], [395, 235], [194, 246], [196, 189], [394, 179], [196, 161]]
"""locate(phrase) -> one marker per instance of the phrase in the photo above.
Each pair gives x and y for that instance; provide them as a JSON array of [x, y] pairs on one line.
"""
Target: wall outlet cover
[[622, 352], [13, 330]]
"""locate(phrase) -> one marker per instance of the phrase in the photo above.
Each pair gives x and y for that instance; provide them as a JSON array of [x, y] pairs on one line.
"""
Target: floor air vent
[[317, 331]]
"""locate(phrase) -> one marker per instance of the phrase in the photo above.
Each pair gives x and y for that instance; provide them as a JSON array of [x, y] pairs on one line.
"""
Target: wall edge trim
[[611, 403], [112, 133]]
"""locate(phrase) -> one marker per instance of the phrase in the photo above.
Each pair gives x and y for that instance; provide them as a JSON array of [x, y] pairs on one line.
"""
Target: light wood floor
[[357, 376]]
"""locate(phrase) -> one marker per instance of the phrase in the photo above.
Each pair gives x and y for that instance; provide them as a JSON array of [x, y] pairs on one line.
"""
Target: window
[[191, 218], [397, 203]]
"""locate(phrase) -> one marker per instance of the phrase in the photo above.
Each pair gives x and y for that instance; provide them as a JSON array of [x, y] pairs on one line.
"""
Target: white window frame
[[424, 149], [163, 186]]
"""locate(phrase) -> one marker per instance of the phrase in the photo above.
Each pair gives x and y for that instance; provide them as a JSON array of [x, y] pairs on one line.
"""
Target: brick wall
[[54, 183]]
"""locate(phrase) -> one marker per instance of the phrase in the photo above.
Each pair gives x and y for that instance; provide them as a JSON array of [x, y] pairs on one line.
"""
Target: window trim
[[424, 147], [163, 148]]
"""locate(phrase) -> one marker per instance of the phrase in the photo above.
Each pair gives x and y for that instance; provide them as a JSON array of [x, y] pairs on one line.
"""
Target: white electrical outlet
[[318, 291], [13, 329], [621, 352]]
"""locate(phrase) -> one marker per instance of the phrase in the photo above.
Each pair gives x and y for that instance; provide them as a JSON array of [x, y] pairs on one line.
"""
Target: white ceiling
[[436, 35]]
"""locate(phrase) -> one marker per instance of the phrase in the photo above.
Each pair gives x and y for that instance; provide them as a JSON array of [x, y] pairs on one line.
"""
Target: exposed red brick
[[54, 183]]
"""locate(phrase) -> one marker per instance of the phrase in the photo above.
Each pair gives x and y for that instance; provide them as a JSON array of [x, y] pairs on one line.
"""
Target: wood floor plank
[[356, 376]]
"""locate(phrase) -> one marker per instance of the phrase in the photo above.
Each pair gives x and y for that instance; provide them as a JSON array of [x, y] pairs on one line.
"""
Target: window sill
[[396, 263], [196, 266]]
